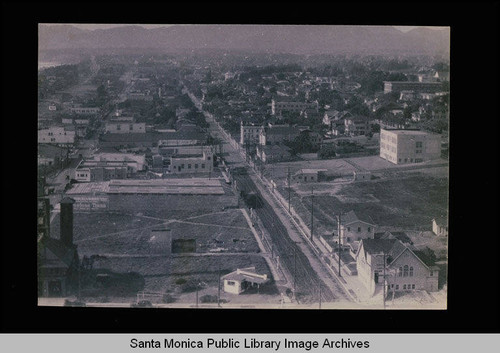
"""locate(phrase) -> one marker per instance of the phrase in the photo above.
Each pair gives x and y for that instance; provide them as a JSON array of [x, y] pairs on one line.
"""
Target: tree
[[327, 151]]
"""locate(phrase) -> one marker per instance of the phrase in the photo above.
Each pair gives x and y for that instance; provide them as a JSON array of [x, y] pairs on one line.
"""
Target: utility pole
[[320, 294], [294, 270], [218, 289], [289, 190], [338, 227], [312, 212], [383, 281], [197, 284]]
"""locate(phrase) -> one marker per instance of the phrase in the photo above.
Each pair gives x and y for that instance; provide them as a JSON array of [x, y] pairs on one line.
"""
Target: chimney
[[67, 221]]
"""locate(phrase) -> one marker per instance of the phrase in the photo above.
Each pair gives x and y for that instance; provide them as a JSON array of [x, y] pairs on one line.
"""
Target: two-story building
[[391, 263], [194, 160], [273, 153], [107, 166], [409, 146], [356, 126], [249, 133], [121, 127], [354, 228], [57, 135], [277, 134]]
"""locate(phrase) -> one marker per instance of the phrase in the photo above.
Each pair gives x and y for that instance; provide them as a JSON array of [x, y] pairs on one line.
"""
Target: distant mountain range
[[296, 39]]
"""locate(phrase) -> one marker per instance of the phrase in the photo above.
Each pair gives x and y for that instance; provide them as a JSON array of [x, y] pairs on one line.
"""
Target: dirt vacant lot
[[98, 233], [408, 202]]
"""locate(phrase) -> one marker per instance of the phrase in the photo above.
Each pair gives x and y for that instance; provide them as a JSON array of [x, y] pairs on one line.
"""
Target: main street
[[308, 275]]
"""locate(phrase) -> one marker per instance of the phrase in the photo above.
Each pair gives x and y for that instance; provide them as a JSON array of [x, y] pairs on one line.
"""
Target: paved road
[[308, 279]]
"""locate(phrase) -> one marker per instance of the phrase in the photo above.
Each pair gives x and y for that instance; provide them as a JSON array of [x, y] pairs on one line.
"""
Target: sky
[[106, 26]]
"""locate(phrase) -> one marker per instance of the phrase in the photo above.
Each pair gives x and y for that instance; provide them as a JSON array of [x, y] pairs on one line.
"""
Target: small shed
[[240, 280], [307, 175], [362, 175]]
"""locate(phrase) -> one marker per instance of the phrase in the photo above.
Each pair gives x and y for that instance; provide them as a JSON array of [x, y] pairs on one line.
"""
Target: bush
[[208, 298], [167, 298], [180, 281]]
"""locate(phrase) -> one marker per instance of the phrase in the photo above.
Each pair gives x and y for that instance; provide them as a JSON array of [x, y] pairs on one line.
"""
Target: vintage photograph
[[243, 166]]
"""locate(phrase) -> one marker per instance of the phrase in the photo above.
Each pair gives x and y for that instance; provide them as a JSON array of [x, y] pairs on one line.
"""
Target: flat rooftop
[[309, 171], [408, 132], [191, 186], [186, 182], [89, 188]]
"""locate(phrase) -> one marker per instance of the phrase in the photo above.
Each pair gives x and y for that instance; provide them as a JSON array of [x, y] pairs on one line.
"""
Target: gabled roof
[[379, 246], [393, 248], [424, 257], [351, 217], [402, 236], [246, 274]]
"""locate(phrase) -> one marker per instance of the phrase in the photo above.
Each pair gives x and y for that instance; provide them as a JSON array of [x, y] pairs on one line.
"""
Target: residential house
[[330, 116], [401, 236], [354, 228], [243, 279], [405, 269], [273, 153], [306, 176], [338, 128], [440, 226], [356, 126], [277, 134]]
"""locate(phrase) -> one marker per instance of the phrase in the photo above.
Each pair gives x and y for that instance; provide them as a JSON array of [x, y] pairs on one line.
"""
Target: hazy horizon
[[94, 26]]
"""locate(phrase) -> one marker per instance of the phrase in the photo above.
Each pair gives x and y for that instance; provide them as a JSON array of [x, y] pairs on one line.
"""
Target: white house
[[240, 280], [440, 226], [353, 229]]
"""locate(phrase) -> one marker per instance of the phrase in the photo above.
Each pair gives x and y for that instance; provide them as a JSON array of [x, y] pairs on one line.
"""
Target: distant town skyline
[[94, 26]]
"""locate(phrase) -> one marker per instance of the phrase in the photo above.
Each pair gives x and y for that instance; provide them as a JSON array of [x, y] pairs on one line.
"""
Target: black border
[[473, 276]]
